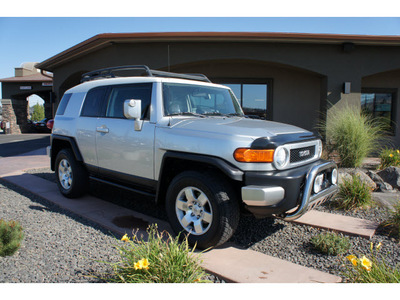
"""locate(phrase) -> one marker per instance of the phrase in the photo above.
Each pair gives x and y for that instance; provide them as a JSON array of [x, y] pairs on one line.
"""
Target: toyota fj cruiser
[[185, 142]]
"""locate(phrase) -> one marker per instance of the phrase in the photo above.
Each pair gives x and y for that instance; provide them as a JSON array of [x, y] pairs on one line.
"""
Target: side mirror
[[133, 110]]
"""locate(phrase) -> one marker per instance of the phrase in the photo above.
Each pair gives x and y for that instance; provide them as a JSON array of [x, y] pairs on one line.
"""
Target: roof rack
[[110, 73]]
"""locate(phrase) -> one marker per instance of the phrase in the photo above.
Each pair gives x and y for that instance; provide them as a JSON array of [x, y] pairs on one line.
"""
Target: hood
[[234, 126]]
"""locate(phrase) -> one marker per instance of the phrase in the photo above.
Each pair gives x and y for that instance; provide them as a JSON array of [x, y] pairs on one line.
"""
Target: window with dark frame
[[380, 103], [118, 94], [254, 95]]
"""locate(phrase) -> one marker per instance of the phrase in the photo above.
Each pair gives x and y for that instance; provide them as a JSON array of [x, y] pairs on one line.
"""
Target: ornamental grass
[[353, 193], [160, 259], [352, 135], [371, 269]]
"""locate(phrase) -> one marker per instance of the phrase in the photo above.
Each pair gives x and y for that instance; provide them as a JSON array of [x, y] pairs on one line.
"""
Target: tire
[[72, 177], [202, 206]]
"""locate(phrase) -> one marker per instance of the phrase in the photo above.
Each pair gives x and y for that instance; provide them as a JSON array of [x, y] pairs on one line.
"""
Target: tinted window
[[119, 94], [63, 104], [94, 102]]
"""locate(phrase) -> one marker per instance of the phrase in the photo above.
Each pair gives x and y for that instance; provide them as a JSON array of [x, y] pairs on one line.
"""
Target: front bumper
[[287, 194]]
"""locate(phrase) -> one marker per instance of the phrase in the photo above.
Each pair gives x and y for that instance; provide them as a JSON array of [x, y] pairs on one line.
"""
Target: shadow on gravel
[[251, 230]]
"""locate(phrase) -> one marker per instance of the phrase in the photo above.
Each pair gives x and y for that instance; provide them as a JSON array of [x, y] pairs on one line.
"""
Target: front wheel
[[203, 206], [72, 178]]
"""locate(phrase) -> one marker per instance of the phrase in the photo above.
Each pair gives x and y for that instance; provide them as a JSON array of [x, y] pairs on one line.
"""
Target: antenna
[[169, 63]]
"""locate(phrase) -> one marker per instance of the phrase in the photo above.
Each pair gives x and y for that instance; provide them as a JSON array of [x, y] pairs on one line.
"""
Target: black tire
[[72, 177], [212, 229]]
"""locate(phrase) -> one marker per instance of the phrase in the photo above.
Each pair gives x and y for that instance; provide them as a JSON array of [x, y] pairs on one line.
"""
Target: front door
[[121, 149]]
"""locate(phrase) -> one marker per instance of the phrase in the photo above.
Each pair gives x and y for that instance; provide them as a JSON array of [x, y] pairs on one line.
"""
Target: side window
[[118, 94], [93, 104], [63, 104]]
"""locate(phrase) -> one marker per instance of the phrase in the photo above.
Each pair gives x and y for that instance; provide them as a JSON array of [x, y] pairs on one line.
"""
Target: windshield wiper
[[185, 113], [223, 115]]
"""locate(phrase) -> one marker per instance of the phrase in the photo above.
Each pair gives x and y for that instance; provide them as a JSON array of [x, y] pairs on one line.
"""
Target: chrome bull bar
[[309, 201]]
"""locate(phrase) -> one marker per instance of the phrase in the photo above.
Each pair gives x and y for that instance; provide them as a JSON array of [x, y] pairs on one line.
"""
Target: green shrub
[[160, 259], [374, 270], [394, 221], [331, 243], [11, 236], [389, 157], [353, 135], [353, 193]]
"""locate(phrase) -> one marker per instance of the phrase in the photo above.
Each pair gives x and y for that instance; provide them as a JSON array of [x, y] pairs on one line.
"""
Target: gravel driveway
[[86, 241]]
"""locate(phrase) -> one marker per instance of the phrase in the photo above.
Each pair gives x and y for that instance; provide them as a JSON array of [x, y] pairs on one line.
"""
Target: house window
[[379, 103], [254, 96]]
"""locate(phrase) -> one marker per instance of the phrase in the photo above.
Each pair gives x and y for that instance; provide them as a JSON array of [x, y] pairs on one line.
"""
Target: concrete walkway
[[229, 262]]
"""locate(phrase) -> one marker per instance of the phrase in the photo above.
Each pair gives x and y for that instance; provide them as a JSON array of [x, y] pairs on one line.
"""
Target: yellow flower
[[390, 155], [372, 246], [142, 264], [125, 238], [366, 264], [145, 263], [398, 152], [352, 259]]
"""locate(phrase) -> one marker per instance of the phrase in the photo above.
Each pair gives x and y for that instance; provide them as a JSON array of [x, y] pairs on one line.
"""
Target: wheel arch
[[174, 163], [59, 142]]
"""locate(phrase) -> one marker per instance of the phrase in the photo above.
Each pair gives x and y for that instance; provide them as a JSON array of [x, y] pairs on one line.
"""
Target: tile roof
[[30, 78]]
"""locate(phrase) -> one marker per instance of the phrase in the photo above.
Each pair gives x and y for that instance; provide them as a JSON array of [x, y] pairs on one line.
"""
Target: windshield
[[196, 100]]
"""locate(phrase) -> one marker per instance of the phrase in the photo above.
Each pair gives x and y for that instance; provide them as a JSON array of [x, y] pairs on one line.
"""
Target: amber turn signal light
[[254, 155]]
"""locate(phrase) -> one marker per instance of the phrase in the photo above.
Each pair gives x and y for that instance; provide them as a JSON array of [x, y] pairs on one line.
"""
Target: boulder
[[346, 173], [391, 175], [382, 186]]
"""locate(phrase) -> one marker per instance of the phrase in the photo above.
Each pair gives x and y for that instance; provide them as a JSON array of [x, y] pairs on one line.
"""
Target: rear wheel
[[72, 177], [203, 206]]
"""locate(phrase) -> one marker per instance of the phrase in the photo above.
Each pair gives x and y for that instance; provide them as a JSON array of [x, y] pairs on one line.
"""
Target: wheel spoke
[[198, 227], [207, 217], [189, 195], [203, 200], [182, 205], [186, 220]]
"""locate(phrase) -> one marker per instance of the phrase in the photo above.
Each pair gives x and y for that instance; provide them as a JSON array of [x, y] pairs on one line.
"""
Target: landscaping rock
[[386, 200], [382, 186], [391, 175], [346, 174]]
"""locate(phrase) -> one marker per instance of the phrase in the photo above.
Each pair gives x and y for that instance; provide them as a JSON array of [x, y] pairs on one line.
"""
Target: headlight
[[281, 157], [319, 180]]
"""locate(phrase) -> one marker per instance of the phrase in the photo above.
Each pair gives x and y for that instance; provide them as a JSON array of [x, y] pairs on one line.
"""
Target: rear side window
[[63, 104], [92, 107], [119, 94]]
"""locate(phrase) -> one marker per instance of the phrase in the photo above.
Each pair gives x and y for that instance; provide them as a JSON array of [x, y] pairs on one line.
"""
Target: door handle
[[102, 129]]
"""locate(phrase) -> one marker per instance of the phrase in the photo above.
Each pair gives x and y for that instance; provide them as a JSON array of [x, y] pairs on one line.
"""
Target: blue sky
[[26, 39]]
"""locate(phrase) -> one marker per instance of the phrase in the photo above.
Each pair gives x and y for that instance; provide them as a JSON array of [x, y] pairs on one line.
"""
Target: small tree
[[38, 112]]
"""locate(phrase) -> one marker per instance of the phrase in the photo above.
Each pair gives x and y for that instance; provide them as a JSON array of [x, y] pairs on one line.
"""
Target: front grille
[[301, 154]]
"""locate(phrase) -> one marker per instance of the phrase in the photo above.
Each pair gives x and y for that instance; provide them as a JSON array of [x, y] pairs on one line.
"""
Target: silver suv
[[185, 142]]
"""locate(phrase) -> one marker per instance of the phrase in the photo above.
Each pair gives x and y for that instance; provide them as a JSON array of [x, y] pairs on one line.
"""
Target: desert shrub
[[160, 259], [330, 243], [11, 235], [389, 157], [393, 223], [352, 135], [371, 270], [353, 193]]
